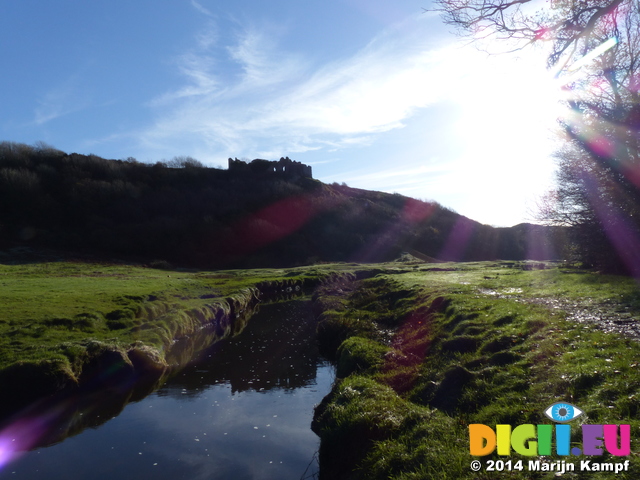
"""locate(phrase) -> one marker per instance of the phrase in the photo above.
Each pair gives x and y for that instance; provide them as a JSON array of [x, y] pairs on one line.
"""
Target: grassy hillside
[[183, 213]]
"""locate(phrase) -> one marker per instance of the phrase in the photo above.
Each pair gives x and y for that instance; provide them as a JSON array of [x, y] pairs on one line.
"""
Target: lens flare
[[18, 438], [458, 241], [596, 52]]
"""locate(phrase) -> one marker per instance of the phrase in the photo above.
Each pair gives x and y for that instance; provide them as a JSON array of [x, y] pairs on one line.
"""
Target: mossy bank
[[83, 325], [423, 354]]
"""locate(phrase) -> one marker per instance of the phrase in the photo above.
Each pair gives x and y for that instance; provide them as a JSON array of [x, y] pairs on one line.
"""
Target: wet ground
[[610, 317]]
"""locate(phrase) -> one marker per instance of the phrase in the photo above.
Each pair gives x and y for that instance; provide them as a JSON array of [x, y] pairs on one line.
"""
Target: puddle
[[504, 291]]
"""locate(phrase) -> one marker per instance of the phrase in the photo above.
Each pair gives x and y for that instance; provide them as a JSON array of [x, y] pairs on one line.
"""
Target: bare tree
[[594, 45], [184, 162]]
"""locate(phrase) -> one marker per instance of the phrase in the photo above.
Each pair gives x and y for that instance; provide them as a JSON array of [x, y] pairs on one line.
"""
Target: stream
[[241, 410]]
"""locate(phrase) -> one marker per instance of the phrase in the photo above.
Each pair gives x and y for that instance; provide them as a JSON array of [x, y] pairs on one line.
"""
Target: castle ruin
[[284, 167]]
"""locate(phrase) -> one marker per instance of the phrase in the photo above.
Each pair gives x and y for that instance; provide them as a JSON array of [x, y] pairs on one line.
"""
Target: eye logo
[[563, 412]]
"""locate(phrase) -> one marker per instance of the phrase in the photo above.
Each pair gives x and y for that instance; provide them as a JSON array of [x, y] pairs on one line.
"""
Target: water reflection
[[273, 352], [242, 411]]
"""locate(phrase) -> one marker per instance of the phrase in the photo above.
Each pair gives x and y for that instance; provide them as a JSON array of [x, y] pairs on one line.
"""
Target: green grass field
[[51, 311], [422, 350]]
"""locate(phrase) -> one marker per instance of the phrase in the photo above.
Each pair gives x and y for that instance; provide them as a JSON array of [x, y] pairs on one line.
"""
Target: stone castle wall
[[284, 167]]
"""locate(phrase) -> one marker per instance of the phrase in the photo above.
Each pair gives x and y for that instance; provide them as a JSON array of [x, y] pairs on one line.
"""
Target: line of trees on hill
[[185, 213]]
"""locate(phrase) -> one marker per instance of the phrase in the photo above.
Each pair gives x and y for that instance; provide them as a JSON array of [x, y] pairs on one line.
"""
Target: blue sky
[[373, 93]]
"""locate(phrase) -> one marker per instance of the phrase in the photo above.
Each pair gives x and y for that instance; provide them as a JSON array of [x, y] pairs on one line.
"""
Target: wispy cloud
[[62, 99], [251, 94], [394, 173], [416, 178], [198, 6]]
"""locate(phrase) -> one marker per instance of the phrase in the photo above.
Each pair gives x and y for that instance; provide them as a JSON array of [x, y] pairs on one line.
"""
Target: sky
[[377, 94]]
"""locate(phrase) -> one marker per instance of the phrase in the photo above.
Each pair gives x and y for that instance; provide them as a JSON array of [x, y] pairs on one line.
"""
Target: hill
[[185, 213]]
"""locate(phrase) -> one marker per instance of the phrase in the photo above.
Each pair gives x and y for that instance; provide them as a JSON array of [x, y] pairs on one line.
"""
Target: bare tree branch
[[565, 23]]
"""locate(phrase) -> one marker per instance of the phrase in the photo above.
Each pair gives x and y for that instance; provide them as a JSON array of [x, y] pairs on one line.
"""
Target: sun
[[508, 123], [509, 104]]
